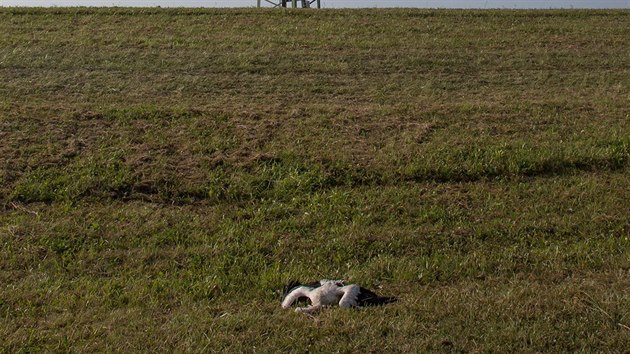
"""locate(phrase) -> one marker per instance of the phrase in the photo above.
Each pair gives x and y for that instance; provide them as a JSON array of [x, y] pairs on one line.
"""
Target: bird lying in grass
[[330, 292]]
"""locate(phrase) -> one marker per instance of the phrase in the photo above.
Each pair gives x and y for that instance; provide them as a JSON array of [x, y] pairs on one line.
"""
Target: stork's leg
[[309, 309]]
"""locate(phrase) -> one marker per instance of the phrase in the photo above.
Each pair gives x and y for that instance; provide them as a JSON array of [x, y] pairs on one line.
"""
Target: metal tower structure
[[294, 3]]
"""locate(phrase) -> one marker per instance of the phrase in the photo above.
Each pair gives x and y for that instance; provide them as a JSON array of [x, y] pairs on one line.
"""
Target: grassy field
[[163, 173]]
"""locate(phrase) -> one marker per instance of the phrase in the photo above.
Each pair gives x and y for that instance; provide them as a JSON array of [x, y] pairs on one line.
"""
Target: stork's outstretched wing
[[350, 296], [369, 298]]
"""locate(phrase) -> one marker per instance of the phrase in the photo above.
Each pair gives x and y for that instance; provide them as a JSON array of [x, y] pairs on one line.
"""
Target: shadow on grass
[[286, 176]]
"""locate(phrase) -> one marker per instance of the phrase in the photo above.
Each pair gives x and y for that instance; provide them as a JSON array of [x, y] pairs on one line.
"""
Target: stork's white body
[[330, 293]]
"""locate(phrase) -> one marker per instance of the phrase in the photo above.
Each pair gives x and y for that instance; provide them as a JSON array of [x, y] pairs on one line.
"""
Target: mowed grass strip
[[165, 172]]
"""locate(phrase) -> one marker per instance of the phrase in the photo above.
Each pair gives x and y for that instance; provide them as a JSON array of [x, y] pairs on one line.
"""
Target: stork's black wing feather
[[313, 284], [294, 284], [369, 298]]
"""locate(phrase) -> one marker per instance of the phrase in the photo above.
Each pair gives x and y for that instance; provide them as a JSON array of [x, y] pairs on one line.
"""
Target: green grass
[[153, 163]]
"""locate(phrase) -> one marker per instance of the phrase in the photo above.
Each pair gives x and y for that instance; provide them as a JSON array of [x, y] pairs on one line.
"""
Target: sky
[[509, 4]]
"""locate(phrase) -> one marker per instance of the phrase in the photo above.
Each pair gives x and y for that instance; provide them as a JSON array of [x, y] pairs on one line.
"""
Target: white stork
[[328, 293]]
